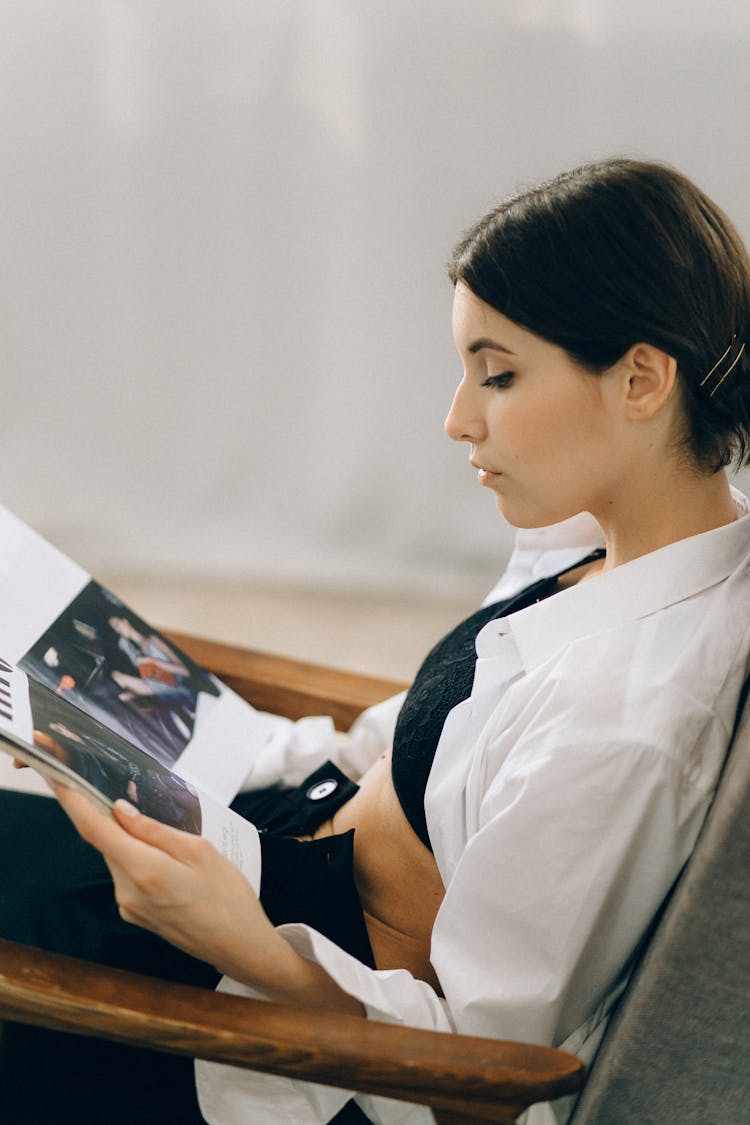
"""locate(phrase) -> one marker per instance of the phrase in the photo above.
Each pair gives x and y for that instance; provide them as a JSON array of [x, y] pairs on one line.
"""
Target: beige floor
[[379, 635]]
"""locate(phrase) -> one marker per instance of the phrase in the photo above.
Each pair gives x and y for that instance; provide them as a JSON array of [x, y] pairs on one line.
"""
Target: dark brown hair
[[621, 252]]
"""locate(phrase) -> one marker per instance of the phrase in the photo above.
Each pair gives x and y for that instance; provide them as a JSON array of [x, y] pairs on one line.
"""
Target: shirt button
[[322, 790]]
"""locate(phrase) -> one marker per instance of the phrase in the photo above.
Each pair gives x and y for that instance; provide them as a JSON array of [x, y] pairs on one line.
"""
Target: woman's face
[[545, 435]]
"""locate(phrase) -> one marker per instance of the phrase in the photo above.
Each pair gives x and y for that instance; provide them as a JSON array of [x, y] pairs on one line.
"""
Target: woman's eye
[[503, 380]]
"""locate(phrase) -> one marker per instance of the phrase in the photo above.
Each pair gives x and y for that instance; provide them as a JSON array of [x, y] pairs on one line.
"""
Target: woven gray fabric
[[678, 1050]]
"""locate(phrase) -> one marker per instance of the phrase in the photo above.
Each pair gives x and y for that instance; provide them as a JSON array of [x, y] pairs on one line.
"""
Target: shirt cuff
[[388, 995], [234, 1096], [230, 1095]]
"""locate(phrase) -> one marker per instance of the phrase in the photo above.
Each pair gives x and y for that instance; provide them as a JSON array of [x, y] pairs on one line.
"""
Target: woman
[[554, 761]]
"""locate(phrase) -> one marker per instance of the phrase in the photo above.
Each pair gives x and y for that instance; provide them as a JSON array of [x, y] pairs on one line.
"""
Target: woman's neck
[[656, 514]]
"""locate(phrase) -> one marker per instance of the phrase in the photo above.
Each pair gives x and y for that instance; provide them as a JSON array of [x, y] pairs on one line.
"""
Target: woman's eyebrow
[[493, 345]]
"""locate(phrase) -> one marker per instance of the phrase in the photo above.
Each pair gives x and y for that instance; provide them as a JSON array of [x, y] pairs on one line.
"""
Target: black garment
[[309, 881], [56, 894], [444, 680]]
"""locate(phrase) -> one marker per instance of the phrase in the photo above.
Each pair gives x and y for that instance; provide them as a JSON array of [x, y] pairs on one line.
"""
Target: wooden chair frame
[[461, 1078]]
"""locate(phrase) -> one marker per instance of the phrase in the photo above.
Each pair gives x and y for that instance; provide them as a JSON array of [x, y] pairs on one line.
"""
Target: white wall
[[224, 319]]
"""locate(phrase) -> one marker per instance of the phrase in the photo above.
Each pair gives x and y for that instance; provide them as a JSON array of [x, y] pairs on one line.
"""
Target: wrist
[[286, 977]]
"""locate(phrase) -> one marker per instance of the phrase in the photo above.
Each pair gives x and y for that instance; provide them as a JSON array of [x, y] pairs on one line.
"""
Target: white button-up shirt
[[565, 796]]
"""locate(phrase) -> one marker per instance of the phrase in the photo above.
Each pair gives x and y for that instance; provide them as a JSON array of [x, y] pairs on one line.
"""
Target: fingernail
[[125, 807]]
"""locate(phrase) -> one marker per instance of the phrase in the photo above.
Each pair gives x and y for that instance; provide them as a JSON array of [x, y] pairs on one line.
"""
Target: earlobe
[[651, 378]]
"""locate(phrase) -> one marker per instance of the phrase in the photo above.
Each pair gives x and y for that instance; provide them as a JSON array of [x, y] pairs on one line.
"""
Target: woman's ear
[[650, 379]]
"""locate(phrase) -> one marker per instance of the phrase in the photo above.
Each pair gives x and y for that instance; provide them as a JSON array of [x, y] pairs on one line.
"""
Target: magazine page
[[77, 639], [42, 729]]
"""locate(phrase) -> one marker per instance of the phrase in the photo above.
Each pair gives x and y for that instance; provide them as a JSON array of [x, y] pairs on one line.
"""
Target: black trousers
[[56, 894]]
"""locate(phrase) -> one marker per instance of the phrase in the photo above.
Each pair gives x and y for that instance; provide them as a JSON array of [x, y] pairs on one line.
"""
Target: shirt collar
[[629, 592]]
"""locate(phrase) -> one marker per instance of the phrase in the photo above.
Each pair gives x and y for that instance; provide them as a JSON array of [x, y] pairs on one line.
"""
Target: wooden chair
[[678, 1049], [462, 1078]]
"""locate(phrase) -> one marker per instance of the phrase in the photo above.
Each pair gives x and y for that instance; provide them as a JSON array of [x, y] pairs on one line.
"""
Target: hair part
[[620, 252]]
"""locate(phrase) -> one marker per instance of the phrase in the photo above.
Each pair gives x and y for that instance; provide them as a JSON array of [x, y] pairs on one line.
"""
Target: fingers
[[140, 832], [93, 824], [75, 804], [140, 868], [179, 845], [180, 887]]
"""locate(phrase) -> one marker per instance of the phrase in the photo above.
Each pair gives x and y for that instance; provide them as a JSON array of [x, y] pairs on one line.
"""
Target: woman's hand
[[180, 887], [173, 883]]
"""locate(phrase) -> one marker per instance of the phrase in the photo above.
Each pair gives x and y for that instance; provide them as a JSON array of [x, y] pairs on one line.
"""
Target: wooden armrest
[[463, 1078], [287, 686]]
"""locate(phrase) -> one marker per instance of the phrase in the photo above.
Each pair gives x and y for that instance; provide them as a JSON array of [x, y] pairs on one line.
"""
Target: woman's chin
[[527, 518]]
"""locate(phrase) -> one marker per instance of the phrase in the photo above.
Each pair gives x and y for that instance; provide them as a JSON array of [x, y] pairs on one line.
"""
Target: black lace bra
[[444, 680]]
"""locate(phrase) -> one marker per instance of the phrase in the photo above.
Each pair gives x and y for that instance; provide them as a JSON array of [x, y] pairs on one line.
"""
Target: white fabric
[[564, 798], [298, 748], [544, 551]]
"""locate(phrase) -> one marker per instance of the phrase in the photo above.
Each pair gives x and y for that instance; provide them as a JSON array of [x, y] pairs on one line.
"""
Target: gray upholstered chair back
[[678, 1050]]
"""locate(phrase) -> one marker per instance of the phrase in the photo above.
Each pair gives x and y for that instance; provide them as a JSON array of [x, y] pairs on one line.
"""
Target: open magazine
[[91, 695]]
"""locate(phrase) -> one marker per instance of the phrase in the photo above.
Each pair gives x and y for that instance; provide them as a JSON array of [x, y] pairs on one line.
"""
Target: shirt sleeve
[[229, 1096], [573, 854], [294, 749], [574, 849], [572, 857]]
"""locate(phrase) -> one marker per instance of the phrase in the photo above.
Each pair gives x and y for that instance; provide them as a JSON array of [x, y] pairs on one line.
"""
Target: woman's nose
[[463, 422]]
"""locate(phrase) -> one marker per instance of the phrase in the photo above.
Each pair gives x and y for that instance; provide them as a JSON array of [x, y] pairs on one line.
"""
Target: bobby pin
[[718, 361], [730, 368]]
